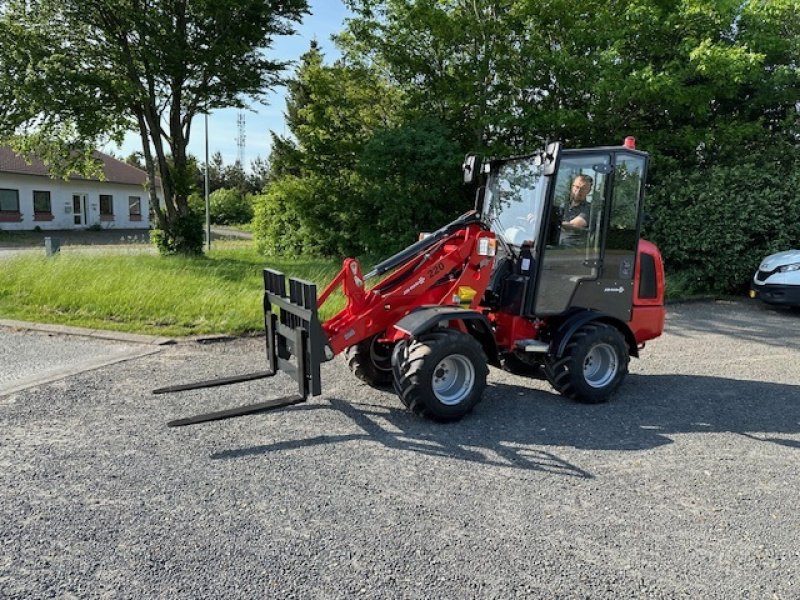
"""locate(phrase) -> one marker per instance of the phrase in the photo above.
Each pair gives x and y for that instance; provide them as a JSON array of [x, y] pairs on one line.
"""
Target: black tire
[[371, 362], [440, 375], [593, 366], [523, 364]]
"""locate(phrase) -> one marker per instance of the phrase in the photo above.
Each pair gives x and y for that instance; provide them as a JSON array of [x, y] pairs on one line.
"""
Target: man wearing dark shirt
[[576, 216]]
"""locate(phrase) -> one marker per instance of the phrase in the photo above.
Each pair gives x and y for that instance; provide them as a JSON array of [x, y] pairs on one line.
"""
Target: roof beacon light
[[630, 143]]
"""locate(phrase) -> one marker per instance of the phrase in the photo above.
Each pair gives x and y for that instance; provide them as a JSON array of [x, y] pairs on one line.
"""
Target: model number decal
[[437, 268]]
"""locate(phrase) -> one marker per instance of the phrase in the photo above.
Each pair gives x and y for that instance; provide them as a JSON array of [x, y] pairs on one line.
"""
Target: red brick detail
[[135, 217], [43, 216], [106, 217], [10, 216]]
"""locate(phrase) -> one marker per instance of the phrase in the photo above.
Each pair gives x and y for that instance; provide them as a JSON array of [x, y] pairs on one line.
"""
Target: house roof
[[115, 170]]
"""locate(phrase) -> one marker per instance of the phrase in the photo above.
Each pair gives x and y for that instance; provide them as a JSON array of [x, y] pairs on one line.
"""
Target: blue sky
[[326, 18]]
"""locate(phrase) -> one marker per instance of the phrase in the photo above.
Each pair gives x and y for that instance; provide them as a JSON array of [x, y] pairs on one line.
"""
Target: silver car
[[777, 280]]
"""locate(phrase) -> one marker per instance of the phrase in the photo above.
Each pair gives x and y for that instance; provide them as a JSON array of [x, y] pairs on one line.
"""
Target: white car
[[777, 280]]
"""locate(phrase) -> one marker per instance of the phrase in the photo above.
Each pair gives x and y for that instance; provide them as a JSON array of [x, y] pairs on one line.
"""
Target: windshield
[[514, 200]]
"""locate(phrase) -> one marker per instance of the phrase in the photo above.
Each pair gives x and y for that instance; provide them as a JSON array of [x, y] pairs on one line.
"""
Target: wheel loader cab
[[566, 239]]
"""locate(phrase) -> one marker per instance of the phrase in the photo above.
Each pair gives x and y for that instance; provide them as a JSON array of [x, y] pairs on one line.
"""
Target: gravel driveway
[[685, 485]]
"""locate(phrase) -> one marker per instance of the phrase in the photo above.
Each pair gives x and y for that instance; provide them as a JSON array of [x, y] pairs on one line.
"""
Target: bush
[[279, 228], [184, 235], [714, 225], [405, 180], [229, 207]]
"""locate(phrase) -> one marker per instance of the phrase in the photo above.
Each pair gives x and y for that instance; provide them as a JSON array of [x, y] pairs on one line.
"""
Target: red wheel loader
[[538, 279]]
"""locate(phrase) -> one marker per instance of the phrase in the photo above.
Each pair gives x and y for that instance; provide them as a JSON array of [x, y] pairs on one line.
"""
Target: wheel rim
[[453, 379], [600, 365], [380, 355]]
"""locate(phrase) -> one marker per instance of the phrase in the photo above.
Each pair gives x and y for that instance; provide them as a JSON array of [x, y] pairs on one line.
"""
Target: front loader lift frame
[[295, 331]]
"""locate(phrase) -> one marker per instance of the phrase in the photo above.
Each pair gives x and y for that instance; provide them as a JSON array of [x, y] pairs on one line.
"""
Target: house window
[[41, 202], [42, 209], [9, 200], [106, 207], [9, 206], [135, 208]]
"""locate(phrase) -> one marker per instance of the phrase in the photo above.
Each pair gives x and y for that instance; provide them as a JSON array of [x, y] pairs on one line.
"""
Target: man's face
[[580, 189]]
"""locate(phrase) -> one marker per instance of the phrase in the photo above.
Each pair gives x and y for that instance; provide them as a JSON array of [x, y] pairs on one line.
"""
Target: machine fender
[[426, 318], [578, 319]]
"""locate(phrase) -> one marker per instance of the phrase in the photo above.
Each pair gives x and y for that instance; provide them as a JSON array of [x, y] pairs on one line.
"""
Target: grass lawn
[[144, 293], [140, 292]]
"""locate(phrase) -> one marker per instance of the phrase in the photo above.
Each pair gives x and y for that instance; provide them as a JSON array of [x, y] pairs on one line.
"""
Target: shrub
[[413, 183], [278, 227], [183, 235], [230, 207], [405, 180]]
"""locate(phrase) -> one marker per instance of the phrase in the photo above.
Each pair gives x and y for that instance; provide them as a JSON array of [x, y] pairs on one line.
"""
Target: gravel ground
[[685, 485], [31, 358]]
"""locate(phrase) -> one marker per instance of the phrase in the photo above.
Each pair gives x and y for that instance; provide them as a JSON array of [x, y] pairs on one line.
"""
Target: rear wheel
[[440, 375], [371, 361], [594, 364]]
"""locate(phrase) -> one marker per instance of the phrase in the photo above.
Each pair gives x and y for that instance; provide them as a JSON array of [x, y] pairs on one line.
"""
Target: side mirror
[[551, 157], [471, 168]]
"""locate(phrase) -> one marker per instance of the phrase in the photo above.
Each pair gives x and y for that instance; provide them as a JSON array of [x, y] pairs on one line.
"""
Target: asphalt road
[[685, 485]]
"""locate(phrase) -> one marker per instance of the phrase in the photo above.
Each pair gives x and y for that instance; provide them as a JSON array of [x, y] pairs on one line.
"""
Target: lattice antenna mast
[[240, 139]]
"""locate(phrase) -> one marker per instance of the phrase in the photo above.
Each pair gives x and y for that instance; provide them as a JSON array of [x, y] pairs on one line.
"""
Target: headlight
[[789, 268]]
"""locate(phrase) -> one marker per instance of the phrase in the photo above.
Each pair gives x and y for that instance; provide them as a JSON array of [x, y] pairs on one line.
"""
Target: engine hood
[[774, 261]]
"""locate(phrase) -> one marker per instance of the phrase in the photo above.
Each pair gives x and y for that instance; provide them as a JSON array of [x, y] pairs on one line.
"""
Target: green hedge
[[714, 225]]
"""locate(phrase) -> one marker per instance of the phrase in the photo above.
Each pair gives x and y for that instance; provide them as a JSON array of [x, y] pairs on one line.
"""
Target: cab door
[[573, 256], [612, 291]]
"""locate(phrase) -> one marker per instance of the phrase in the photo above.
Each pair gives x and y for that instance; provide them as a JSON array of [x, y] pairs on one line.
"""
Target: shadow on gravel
[[649, 409], [399, 430], [742, 320], [512, 424]]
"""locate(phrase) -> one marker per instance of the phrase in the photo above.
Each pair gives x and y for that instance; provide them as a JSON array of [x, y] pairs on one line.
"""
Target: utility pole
[[208, 202]]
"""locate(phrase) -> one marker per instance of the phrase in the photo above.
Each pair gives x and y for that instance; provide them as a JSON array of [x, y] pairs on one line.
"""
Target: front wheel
[[371, 361], [593, 366], [440, 375]]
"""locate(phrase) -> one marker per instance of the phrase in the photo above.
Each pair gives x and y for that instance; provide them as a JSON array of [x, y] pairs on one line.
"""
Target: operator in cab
[[576, 215]]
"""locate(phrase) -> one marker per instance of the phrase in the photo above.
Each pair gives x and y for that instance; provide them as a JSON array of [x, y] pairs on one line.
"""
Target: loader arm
[[450, 268]]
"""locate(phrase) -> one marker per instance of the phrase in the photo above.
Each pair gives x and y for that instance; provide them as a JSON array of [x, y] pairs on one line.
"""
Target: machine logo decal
[[617, 290], [414, 286]]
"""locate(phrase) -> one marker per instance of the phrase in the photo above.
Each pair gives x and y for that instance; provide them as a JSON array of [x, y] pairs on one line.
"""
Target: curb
[[102, 334]]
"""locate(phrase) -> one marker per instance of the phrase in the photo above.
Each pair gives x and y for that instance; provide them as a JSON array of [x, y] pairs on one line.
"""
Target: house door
[[79, 209]]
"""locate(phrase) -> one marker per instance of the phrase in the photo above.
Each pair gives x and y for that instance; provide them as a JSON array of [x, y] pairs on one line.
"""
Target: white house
[[29, 197]]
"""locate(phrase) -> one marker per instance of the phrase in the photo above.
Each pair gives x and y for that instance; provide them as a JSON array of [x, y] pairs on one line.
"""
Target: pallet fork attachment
[[294, 332]]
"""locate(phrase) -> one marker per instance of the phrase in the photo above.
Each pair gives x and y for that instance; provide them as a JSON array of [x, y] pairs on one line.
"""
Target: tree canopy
[[709, 88], [75, 72]]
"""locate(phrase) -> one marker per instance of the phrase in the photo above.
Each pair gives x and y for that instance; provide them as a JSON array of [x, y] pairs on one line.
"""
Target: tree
[[75, 72], [232, 176], [684, 76], [451, 59], [332, 111]]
